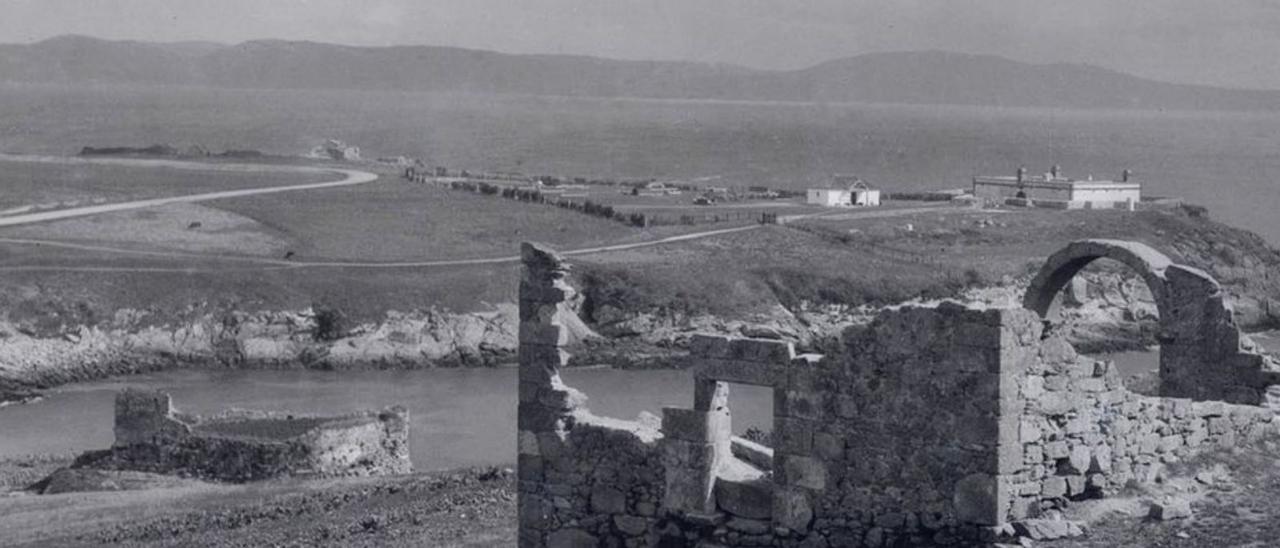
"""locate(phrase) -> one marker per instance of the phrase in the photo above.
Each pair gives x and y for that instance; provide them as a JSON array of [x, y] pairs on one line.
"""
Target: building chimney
[[1125, 175], [1055, 170]]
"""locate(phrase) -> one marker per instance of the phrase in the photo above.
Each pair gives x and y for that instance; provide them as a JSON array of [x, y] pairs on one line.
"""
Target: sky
[[1232, 43]]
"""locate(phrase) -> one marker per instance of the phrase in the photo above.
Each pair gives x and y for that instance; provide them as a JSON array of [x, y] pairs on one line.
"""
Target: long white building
[[1054, 190]]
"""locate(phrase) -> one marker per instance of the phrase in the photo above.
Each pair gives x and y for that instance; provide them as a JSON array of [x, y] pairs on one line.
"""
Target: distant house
[[334, 149], [1055, 190], [658, 188], [844, 191]]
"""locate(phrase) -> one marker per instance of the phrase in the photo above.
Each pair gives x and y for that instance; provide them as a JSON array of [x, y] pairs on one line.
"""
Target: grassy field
[[395, 220], [42, 184]]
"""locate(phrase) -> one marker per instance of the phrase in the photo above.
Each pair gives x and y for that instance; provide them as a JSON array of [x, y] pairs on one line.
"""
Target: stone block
[[1056, 383], [535, 512], [1033, 387], [1079, 459], [792, 403], [1076, 485], [572, 538], [1054, 487], [1033, 453], [828, 446], [529, 467], [1057, 450], [1057, 351], [608, 500], [688, 490], [752, 499], [762, 350], [1047, 529], [793, 436], [695, 426], [1056, 403], [976, 500], [749, 526], [792, 509], [709, 346], [527, 442], [539, 364], [1029, 430], [632, 526], [1170, 443], [742, 372], [1208, 409], [806, 472], [1100, 461], [1175, 508], [846, 406]]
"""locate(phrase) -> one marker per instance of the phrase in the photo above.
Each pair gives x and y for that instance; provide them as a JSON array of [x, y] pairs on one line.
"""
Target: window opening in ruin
[[744, 480]]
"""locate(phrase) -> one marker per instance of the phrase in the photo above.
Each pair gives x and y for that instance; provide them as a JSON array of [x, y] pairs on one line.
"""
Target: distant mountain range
[[904, 77]]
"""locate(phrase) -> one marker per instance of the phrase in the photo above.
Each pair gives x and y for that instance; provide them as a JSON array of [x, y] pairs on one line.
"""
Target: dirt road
[[350, 177]]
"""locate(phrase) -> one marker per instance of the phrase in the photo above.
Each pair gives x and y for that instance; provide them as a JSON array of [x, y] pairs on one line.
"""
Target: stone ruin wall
[[933, 426], [151, 436], [581, 478]]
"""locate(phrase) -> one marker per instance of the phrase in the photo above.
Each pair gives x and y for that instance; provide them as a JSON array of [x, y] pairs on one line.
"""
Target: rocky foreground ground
[[1231, 496], [474, 507]]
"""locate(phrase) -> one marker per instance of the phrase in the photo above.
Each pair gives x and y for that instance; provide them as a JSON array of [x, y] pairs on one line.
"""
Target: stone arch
[[1063, 265], [1203, 354]]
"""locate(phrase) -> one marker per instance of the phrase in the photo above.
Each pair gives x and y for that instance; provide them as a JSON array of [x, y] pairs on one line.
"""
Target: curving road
[[350, 177]]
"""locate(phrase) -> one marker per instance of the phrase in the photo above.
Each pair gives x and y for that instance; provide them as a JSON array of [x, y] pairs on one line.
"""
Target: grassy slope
[[880, 262]]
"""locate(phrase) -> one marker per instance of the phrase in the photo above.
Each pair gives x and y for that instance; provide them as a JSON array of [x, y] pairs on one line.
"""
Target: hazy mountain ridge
[[929, 77]]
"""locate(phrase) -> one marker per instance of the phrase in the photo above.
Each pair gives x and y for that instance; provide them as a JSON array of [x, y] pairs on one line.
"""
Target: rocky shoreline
[[1109, 312]]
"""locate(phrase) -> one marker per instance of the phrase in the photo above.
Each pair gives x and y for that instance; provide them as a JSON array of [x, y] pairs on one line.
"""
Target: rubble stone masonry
[[151, 436], [933, 426]]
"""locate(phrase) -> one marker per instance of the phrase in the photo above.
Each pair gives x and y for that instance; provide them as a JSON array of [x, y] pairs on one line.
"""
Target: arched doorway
[[1201, 352]]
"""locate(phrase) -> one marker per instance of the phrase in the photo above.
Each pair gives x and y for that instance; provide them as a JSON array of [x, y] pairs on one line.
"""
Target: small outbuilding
[[845, 191]]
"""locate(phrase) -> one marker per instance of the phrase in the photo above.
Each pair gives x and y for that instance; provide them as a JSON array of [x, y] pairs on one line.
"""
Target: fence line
[[594, 209]]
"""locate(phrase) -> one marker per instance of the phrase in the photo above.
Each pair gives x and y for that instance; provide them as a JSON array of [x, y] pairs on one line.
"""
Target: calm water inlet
[[460, 417]]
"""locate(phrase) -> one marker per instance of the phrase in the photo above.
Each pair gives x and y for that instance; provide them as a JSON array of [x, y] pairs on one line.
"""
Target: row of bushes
[[534, 196]]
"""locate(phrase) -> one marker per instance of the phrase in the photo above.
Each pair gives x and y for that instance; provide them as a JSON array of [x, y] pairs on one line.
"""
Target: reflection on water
[[460, 417]]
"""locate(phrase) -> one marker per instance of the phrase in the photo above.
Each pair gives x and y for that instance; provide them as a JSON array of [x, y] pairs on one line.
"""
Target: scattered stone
[[1047, 529], [1172, 508]]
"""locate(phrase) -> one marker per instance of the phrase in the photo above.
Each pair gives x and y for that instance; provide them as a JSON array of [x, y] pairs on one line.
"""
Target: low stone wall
[[151, 436], [1083, 435]]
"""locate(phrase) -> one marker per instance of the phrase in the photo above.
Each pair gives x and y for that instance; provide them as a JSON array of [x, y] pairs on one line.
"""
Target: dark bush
[[331, 323]]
